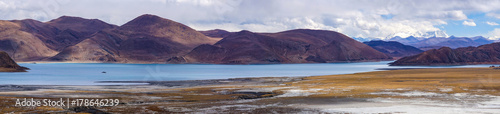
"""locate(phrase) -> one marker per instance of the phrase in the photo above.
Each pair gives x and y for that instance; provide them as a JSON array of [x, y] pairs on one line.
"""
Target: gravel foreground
[[456, 90]]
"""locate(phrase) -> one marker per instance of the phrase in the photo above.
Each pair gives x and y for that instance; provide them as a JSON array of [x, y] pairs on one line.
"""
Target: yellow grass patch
[[454, 80]]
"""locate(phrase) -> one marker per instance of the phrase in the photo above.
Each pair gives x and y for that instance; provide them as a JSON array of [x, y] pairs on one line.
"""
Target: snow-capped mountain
[[426, 43], [419, 34]]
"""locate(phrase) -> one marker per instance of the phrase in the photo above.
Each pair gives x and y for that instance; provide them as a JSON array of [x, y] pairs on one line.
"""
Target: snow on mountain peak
[[418, 34]]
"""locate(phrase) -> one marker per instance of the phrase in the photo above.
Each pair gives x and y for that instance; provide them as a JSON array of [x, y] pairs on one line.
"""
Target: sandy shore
[[456, 90]]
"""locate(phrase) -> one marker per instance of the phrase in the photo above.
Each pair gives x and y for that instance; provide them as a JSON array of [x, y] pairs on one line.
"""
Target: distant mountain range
[[440, 50], [393, 48], [485, 54], [438, 42], [152, 39]]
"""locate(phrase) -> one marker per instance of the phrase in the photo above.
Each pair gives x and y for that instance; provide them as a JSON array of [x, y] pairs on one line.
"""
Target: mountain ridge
[[484, 54], [145, 39], [437, 42], [393, 48], [292, 46], [153, 39]]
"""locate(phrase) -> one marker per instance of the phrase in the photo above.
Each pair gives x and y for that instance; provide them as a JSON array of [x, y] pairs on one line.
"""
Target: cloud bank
[[356, 18]]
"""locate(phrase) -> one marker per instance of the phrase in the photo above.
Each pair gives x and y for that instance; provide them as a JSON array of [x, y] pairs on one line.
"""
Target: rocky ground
[[458, 90]]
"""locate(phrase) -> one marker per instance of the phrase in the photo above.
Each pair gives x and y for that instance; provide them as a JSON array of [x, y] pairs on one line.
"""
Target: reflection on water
[[88, 73]]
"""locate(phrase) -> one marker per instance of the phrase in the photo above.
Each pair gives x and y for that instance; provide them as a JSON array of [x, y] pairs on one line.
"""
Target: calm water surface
[[89, 73]]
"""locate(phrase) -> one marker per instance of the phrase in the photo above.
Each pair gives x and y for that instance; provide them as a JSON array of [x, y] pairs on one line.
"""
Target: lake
[[89, 73]]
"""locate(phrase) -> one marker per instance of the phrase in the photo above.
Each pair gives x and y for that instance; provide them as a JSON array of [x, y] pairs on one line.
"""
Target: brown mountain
[[9, 65], [216, 33], [164, 28], [31, 40], [294, 46], [73, 30], [152, 39], [485, 54], [393, 48], [21, 44], [63, 31], [146, 39]]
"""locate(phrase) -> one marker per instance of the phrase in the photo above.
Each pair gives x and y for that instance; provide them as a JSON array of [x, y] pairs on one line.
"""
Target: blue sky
[[456, 27], [355, 18]]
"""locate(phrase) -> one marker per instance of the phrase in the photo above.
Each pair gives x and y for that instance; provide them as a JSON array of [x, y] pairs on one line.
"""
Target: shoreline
[[13, 70], [390, 61], [197, 82], [35, 62]]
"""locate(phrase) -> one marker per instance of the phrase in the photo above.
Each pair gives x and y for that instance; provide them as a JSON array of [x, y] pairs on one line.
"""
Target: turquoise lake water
[[89, 73]]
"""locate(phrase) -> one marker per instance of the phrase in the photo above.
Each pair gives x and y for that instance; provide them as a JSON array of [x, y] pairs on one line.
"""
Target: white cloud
[[351, 17], [494, 34], [469, 23], [453, 15], [492, 23]]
